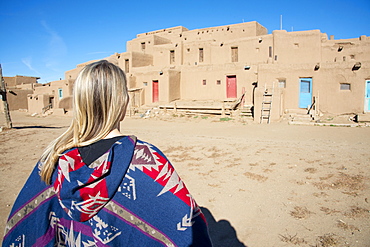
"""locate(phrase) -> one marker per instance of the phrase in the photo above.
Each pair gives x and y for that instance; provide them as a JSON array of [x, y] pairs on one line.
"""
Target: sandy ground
[[259, 185]]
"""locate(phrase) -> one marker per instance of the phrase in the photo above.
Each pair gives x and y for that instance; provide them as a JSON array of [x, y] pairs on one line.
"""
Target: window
[[60, 93], [345, 86], [282, 83], [201, 59], [204, 82], [305, 86], [234, 54], [172, 56], [270, 51], [145, 83], [218, 82], [127, 66], [143, 46]]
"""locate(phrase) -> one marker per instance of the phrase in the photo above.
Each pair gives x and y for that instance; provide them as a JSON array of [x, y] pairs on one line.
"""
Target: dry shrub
[[301, 213], [351, 182], [254, 176], [357, 212], [352, 193], [310, 170], [329, 211], [292, 239], [215, 155], [328, 240], [343, 181], [232, 165]]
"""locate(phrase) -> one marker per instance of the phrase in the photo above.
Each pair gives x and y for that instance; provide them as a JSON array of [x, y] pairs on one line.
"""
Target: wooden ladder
[[266, 105]]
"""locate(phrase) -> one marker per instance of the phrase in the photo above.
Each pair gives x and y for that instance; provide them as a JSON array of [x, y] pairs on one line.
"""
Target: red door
[[231, 86], [155, 91]]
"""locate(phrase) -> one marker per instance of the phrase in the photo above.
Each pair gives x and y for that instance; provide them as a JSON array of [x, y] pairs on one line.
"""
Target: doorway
[[155, 92], [231, 86], [305, 92]]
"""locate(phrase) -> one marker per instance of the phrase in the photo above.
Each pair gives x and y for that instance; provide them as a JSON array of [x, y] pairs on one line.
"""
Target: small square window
[[282, 83], [345, 86], [204, 82], [145, 83], [218, 82]]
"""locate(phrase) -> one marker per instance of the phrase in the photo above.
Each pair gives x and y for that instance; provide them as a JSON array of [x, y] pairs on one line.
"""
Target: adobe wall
[[174, 85], [18, 101], [37, 102], [19, 80], [326, 85], [346, 50], [56, 91], [9, 81], [296, 47], [144, 79], [215, 77]]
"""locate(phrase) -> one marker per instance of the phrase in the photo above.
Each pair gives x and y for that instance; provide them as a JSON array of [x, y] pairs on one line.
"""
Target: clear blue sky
[[45, 38]]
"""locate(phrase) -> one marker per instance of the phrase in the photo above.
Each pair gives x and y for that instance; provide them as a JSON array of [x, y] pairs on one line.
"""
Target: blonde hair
[[100, 99]]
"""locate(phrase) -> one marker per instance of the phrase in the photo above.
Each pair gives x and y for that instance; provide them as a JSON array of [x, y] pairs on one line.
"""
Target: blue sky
[[45, 38]]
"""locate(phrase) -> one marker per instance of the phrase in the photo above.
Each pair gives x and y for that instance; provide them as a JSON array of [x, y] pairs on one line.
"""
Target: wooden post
[[3, 96]]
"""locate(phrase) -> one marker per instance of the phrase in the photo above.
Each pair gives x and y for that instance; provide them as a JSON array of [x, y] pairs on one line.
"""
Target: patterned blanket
[[130, 196]]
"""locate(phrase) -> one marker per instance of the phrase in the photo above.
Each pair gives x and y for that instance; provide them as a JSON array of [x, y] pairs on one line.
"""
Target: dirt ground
[[259, 185]]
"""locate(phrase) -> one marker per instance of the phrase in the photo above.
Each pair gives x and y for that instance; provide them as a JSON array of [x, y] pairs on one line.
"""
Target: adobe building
[[290, 71], [54, 95], [18, 88]]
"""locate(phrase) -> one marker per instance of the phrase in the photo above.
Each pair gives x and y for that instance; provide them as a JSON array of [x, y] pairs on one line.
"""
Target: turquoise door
[[367, 97], [305, 92]]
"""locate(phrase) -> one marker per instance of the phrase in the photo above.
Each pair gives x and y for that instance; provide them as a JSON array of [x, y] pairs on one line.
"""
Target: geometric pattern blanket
[[130, 196]]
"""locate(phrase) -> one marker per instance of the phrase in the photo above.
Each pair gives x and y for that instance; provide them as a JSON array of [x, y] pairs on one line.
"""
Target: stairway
[[300, 116]]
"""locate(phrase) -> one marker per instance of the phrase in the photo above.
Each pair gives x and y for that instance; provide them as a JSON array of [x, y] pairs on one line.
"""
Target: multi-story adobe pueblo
[[19, 87], [286, 71]]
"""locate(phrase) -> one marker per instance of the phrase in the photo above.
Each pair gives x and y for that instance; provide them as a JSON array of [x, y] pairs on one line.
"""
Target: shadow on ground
[[36, 127], [221, 232]]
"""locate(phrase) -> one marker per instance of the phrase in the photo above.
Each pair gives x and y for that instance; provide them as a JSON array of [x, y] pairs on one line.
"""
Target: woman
[[100, 188]]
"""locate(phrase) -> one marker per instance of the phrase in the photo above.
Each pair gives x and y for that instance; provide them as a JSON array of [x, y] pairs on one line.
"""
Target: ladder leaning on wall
[[267, 104]]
